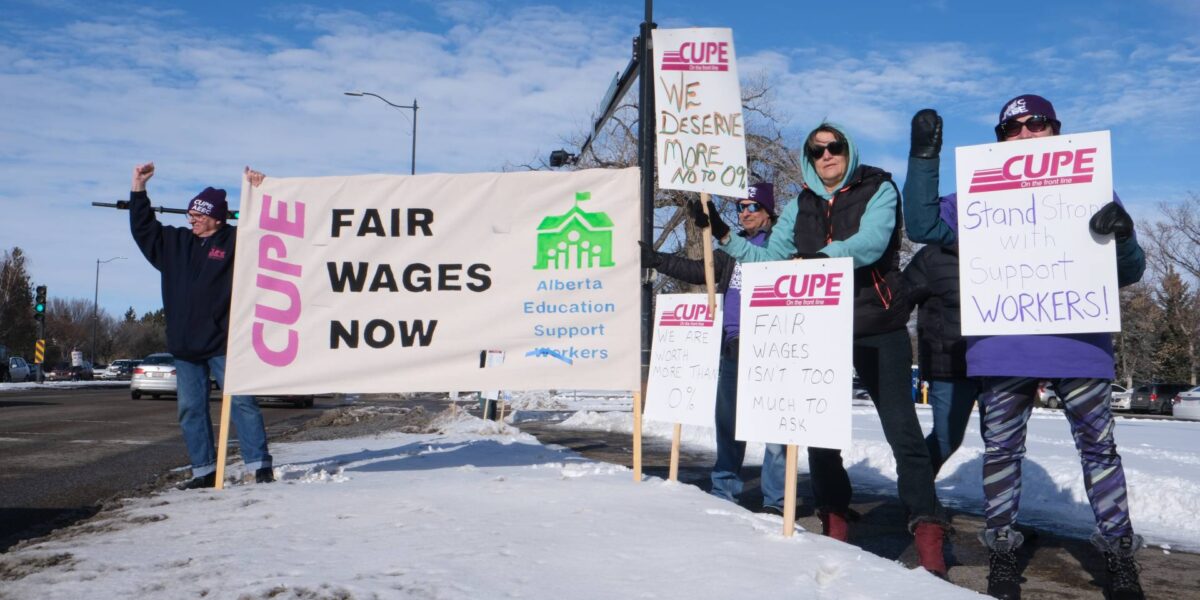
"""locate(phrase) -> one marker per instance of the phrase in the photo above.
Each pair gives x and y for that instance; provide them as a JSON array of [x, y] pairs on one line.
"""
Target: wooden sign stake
[[789, 493], [637, 435], [223, 437], [674, 470]]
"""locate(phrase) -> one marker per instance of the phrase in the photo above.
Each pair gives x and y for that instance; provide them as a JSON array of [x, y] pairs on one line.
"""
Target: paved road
[[64, 451], [1058, 567]]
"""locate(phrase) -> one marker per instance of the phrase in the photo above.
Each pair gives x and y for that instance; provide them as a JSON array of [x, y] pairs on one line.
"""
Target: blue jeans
[[192, 380], [951, 400], [726, 473]]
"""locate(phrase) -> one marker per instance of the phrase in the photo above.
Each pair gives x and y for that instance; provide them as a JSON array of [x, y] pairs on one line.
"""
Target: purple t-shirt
[[1046, 356], [733, 294]]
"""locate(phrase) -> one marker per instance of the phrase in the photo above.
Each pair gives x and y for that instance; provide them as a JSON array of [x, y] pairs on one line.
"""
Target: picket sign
[[795, 357], [682, 384], [1028, 261]]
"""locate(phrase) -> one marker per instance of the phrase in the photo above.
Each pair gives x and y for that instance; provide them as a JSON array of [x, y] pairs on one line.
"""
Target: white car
[[1187, 405], [1121, 397], [18, 370]]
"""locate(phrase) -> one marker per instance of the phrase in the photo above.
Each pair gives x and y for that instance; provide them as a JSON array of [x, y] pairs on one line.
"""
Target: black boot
[[264, 475], [196, 483], [1004, 576], [1122, 568]]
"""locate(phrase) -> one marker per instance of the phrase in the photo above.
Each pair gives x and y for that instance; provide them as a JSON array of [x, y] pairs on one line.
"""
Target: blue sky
[[90, 89]]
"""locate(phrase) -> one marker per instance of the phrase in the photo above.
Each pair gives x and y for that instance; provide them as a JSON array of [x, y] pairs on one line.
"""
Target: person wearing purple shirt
[[1009, 367], [756, 214]]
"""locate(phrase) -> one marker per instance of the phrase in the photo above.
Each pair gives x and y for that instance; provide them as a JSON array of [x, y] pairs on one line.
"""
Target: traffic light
[[39, 303]]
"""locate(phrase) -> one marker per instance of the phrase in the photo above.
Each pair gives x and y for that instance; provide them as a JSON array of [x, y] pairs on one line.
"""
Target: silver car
[[154, 377]]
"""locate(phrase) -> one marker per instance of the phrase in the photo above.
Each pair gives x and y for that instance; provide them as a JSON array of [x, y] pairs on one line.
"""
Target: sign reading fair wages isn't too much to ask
[[698, 112], [794, 355], [382, 283], [1028, 261], [682, 387]]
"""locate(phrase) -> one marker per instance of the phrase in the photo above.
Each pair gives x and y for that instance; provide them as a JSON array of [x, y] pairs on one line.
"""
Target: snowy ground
[[1161, 460], [59, 385], [472, 510]]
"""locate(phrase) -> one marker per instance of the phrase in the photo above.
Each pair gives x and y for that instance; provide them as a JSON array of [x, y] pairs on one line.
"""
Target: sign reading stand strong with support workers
[[795, 353], [380, 283], [699, 125], [1028, 261], [684, 360]]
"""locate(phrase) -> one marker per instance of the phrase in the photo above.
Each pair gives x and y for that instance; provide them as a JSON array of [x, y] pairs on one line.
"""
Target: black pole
[[414, 149], [646, 147]]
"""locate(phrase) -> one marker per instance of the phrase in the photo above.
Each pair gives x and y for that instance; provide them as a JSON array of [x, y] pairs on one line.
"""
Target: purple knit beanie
[[210, 202], [764, 195]]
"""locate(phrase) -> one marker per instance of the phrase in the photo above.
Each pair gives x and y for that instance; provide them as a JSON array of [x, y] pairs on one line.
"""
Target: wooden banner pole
[[709, 278], [789, 493], [223, 437], [673, 474], [637, 434]]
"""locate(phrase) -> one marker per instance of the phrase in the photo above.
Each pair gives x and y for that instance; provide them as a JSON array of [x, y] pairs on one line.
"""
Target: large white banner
[[1028, 262], [684, 361], [700, 129], [382, 283], [795, 361]]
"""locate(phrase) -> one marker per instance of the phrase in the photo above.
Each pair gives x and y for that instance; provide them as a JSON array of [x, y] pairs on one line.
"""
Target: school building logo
[[576, 239]]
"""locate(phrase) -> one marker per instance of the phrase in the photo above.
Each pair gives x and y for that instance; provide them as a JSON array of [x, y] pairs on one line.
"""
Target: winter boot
[[928, 537], [264, 475], [201, 482], [835, 524], [1004, 577], [1122, 569]]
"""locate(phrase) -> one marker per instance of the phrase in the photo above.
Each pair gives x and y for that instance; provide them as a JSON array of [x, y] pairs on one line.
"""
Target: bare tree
[[1175, 240]]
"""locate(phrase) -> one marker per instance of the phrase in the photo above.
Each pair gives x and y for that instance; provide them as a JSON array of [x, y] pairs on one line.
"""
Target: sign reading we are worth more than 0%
[[1028, 261], [794, 355], [684, 360], [699, 126]]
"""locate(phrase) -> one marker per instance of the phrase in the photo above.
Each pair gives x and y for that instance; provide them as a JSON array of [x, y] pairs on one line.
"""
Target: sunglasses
[[750, 207], [1035, 124], [835, 148]]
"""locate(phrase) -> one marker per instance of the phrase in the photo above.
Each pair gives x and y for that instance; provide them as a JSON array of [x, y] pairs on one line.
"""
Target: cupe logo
[[813, 289], [687, 315], [576, 239]]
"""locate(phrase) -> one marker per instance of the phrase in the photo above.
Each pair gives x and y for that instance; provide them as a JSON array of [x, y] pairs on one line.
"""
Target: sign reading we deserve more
[[1028, 261], [795, 352], [684, 360], [699, 125], [382, 283]]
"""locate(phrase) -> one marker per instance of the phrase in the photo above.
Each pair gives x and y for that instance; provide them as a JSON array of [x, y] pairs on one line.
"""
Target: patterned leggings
[[1005, 406]]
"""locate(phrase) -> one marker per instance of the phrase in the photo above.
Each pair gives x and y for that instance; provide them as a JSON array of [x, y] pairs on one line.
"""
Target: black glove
[[1113, 219], [926, 134], [650, 258], [712, 219]]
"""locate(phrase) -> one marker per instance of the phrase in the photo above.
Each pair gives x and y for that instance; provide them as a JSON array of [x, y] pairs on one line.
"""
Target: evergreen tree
[[18, 330], [1175, 348]]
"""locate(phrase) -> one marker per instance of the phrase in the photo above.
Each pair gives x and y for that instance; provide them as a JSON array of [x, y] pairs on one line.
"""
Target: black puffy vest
[[878, 307]]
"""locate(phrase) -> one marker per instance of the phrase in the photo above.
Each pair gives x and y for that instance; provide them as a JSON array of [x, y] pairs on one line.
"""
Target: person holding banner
[[1009, 367], [849, 209], [197, 285], [756, 214]]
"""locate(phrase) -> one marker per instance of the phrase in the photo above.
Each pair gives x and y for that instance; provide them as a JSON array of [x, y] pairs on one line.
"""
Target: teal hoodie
[[865, 247]]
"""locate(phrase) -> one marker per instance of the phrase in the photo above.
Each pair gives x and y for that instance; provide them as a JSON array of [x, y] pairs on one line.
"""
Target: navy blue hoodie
[[197, 280]]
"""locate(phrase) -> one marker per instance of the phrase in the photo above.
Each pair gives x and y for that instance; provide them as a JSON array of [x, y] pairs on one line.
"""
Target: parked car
[[66, 372], [1156, 397], [1046, 396], [155, 376], [18, 370], [1187, 404], [1120, 397], [121, 368]]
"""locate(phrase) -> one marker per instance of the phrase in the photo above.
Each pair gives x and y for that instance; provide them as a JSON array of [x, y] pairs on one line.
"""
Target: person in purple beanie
[[1009, 367], [756, 215]]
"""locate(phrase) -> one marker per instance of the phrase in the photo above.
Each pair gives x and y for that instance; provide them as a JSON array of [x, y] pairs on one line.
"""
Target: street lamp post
[[96, 303], [413, 107]]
